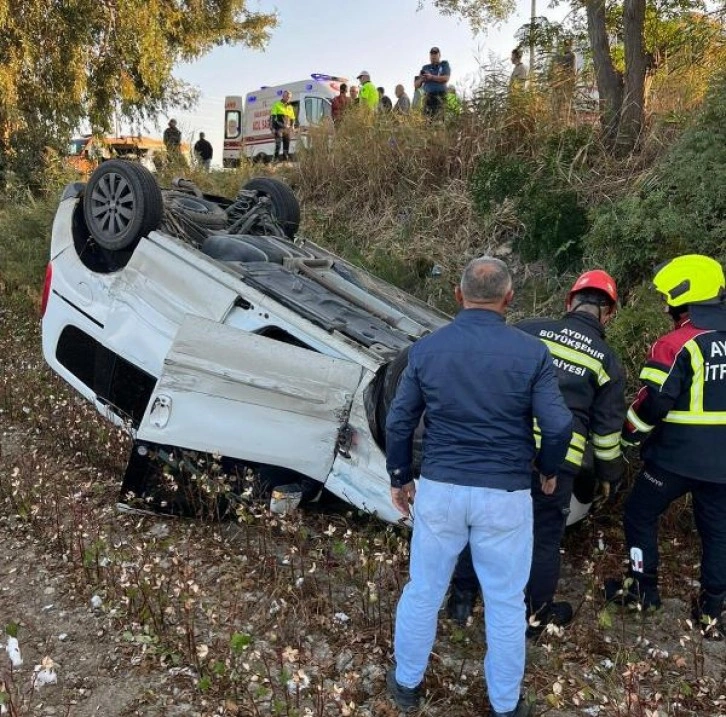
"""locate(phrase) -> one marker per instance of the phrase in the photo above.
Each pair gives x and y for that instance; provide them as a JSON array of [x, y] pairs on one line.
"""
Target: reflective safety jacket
[[282, 115], [369, 95], [592, 383], [680, 411]]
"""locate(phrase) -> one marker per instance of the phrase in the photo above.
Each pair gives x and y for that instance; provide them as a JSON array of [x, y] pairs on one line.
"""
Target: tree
[[478, 13], [622, 97], [66, 61]]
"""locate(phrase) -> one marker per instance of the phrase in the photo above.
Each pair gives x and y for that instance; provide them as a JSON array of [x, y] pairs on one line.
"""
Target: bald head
[[485, 281]]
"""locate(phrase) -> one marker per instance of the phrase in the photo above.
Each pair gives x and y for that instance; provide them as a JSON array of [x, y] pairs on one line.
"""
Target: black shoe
[[523, 709], [406, 698], [460, 605], [707, 611], [637, 592], [554, 613]]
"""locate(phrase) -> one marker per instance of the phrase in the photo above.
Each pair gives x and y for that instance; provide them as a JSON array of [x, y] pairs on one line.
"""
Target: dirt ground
[[270, 616]]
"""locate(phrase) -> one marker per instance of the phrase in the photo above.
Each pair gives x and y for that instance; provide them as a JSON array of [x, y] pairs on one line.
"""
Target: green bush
[[681, 209], [636, 327], [554, 224], [497, 177], [25, 226], [553, 221]]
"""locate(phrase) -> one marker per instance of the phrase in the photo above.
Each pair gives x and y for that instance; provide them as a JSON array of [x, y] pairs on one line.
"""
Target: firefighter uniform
[[679, 417], [592, 382]]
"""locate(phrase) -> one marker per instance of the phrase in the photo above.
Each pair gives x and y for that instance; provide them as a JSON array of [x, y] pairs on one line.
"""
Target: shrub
[[497, 177], [552, 219], [554, 224], [680, 209], [635, 328]]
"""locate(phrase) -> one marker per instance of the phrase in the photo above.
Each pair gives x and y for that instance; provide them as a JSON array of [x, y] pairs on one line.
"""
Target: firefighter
[[282, 120], [679, 420], [592, 383]]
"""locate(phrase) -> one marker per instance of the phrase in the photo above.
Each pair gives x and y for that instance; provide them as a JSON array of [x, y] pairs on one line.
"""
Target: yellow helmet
[[689, 279]]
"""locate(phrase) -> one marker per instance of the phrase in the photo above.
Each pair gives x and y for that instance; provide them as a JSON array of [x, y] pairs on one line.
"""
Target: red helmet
[[595, 279]]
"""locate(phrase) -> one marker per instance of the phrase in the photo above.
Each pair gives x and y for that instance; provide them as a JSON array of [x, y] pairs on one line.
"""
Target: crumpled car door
[[238, 394]]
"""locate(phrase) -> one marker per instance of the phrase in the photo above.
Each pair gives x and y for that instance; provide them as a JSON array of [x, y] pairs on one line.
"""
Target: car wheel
[[197, 210], [121, 204], [285, 206], [391, 379]]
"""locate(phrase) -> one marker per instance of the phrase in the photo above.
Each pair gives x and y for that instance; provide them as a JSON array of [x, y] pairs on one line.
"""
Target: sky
[[389, 38]]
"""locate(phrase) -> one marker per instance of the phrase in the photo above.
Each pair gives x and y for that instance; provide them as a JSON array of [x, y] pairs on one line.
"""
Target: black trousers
[[434, 103], [654, 490], [282, 139], [550, 518]]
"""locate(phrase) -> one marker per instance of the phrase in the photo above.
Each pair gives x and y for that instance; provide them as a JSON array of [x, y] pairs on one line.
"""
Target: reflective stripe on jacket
[[680, 410], [592, 382]]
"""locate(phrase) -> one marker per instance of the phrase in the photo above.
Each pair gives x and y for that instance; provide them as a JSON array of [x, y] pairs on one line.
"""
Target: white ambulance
[[247, 130]]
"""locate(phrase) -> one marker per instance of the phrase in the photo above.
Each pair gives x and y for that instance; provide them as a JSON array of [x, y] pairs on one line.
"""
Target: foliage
[[639, 322], [552, 216], [498, 177], [554, 223], [26, 224], [478, 13], [63, 63], [680, 208]]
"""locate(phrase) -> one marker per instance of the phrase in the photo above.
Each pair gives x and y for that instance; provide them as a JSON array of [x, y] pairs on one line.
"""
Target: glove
[[630, 441]]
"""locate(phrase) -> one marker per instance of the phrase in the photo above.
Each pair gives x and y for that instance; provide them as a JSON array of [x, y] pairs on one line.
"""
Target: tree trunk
[[609, 82], [633, 111]]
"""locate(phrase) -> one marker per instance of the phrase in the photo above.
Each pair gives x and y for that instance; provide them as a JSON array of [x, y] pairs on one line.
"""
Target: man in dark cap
[[433, 78]]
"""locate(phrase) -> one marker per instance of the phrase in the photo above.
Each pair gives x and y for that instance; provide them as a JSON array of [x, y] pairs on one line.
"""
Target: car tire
[[391, 379], [197, 210], [285, 206], [121, 204]]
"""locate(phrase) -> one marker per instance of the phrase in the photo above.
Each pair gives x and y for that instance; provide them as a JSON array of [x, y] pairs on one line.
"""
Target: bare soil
[[278, 616]]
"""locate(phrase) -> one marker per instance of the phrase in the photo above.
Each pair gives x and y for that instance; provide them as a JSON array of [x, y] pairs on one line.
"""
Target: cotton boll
[[45, 673], [13, 650]]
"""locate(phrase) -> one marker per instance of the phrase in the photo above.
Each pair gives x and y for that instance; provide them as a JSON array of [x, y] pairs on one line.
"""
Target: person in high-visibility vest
[[369, 97], [451, 102], [282, 119], [679, 419]]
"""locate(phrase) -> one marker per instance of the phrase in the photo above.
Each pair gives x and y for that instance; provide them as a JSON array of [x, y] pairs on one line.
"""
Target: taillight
[[46, 289]]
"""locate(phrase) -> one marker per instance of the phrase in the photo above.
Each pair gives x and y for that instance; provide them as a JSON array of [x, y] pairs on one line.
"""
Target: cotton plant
[[44, 673], [13, 650]]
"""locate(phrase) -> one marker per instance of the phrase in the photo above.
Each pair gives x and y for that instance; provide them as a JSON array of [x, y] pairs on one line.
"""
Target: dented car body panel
[[253, 394], [289, 362], [268, 363]]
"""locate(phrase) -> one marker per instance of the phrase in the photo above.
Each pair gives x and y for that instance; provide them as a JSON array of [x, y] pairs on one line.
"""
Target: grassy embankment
[[293, 616]]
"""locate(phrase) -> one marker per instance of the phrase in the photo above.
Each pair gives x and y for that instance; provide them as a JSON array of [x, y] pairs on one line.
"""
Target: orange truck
[[85, 153]]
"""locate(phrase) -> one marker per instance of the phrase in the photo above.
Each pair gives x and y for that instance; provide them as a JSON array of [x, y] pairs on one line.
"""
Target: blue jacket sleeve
[[553, 417], [403, 418]]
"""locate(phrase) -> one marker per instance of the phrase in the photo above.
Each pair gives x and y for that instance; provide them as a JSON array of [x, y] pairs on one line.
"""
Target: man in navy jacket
[[481, 384]]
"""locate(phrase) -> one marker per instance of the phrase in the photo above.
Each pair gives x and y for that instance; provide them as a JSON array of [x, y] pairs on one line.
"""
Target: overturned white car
[[201, 325]]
